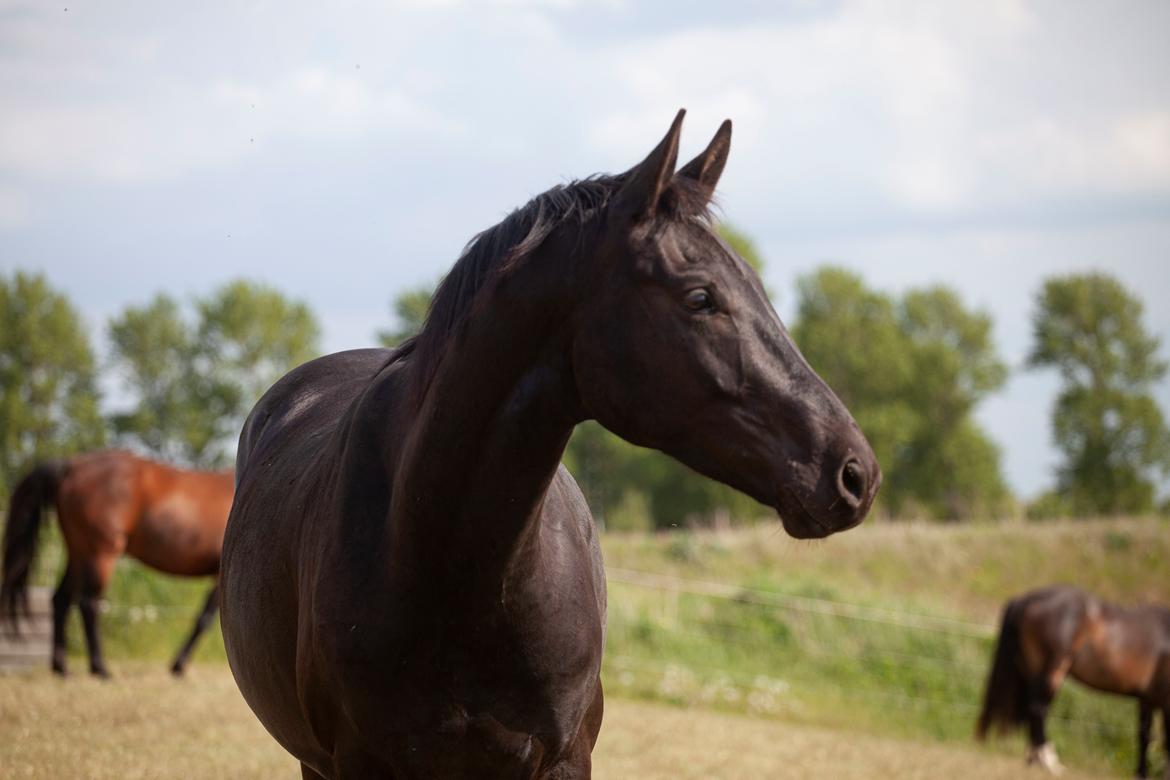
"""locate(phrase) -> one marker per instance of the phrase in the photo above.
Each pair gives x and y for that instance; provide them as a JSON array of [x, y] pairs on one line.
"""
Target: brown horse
[[412, 585], [1056, 632], [109, 504]]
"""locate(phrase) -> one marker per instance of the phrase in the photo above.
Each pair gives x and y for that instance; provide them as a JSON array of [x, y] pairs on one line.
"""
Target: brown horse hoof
[[101, 674], [177, 669], [60, 670]]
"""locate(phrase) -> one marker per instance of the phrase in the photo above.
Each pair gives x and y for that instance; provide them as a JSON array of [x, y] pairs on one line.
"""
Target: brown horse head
[[680, 350]]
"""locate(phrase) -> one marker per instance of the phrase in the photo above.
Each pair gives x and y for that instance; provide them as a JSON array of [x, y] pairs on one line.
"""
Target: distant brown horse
[[413, 585], [109, 504], [1055, 632]]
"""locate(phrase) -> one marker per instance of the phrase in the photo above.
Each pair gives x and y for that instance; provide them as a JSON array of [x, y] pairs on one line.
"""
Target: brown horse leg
[[95, 576], [308, 773], [201, 623], [1166, 739], [1145, 722], [1040, 696], [63, 599]]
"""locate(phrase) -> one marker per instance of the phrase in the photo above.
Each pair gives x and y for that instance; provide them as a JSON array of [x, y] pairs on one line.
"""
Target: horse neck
[[490, 429]]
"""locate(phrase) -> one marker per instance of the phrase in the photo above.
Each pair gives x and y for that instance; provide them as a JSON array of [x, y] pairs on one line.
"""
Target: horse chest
[[464, 698]]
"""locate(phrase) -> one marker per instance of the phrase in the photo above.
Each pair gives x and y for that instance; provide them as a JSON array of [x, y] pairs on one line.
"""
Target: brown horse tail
[[1005, 703], [30, 497]]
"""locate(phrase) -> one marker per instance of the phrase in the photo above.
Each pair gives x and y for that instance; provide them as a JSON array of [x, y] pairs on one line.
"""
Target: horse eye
[[699, 300]]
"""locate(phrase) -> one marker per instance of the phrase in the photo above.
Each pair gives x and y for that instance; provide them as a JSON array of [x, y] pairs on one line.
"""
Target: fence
[[705, 642], [31, 645]]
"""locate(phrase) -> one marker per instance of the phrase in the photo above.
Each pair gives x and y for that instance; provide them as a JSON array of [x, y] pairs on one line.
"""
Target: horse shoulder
[[314, 392]]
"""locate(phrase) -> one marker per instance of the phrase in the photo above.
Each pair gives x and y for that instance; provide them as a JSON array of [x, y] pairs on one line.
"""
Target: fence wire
[[809, 612]]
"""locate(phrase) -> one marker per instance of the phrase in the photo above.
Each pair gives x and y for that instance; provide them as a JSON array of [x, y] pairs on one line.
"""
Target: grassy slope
[[792, 666], [866, 675], [962, 571]]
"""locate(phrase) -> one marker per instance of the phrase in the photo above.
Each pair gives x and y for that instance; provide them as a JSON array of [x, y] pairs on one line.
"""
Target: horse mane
[[506, 246]]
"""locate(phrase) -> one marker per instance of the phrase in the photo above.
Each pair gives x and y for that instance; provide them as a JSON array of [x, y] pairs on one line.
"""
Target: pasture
[[145, 724], [729, 654]]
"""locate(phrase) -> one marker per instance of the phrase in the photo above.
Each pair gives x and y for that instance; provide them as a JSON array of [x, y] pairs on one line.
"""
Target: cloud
[[929, 108], [14, 208], [129, 142], [133, 97]]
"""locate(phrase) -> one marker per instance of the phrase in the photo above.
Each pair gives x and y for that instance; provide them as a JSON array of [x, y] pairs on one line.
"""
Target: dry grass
[[144, 724]]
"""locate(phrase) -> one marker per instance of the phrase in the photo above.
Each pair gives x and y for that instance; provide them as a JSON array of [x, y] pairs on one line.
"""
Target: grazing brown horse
[[109, 504], [1058, 632], [412, 584]]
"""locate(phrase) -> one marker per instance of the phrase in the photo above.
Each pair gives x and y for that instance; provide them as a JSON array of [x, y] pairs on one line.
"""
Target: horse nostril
[[851, 482]]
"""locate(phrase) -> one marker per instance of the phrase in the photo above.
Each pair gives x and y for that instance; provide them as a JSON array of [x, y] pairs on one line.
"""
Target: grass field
[[880, 636], [144, 724]]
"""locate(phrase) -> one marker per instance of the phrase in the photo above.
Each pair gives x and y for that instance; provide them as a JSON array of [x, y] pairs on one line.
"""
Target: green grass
[[783, 659], [923, 680]]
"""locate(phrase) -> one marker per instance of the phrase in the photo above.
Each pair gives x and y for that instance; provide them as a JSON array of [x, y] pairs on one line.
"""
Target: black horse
[[1058, 632], [412, 584]]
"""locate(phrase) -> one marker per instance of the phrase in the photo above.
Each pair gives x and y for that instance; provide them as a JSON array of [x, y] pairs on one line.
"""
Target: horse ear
[[708, 166], [645, 183]]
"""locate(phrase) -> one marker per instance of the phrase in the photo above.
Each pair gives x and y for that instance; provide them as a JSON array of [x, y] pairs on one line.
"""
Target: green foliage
[[1049, 505], [1106, 423], [607, 470], [851, 336], [911, 370], [743, 246], [181, 412], [631, 488], [48, 386], [193, 384], [410, 312], [251, 335]]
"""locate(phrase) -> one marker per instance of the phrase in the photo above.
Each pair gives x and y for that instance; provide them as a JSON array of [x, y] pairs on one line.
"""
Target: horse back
[[1111, 648]]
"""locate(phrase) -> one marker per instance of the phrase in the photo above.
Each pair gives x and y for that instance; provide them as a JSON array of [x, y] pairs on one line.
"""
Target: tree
[[950, 465], [851, 336], [48, 385], [911, 370], [250, 335], [1106, 423], [743, 245], [193, 384], [410, 312], [181, 412]]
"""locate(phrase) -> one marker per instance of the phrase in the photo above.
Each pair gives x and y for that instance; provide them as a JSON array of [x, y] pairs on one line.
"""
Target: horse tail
[[25, 510], [1005, 702]]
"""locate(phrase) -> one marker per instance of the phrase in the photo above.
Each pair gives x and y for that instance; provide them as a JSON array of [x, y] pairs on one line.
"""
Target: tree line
[[913, 368], [179, 378]]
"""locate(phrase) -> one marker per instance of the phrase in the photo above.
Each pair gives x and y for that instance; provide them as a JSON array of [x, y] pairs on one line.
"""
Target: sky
[[343, 152]]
